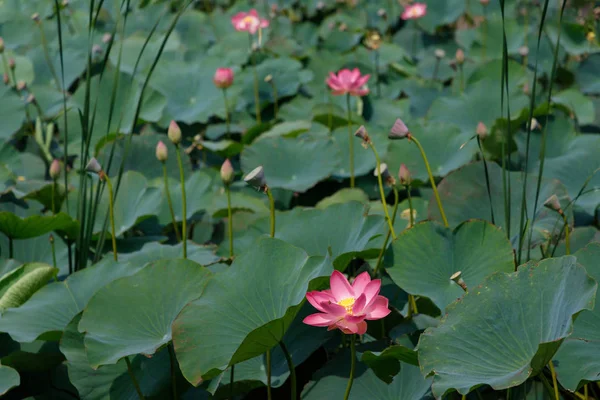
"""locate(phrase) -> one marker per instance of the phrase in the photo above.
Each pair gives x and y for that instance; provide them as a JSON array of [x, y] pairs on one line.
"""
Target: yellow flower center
[[347, 303], [249, 19]]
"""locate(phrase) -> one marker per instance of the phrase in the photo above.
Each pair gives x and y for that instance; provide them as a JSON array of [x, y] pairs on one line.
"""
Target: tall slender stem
[[330, 116], [111, 212], [389, 233], [585, 392], [412, 305], [487, 179], [462, 78], [411, 217], [227, 116], [272, 208], [352, 366], [173, 370], [8, 70], [350, 140], [435, 69], [53, 195], [229, 220], [47, 56], [290, 363], [377, 77], [256, 94], [485, 32], [554, 382], [170, 203], [136, 385], [433, 185], [381, 192], [567, 235], [275, 100], [269, 395], [183, 202], [53, 249]]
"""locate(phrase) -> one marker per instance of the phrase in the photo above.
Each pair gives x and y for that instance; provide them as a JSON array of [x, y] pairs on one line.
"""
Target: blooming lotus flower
[[414, 11], [347, 81], [248, 22], [348, 307], [223, 78]]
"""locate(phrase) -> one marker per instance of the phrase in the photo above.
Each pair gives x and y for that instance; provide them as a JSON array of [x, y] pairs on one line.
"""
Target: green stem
[[53, 249], [111, 211], [412, 305], [554, 382], [585, 392], [433, 185], [411, 217], [389, 233], [377, 77], [381, 192], [275, 100], [435, 69], [8, 71], [229, 220], [414, 43], [53, 194], [487, 179], [272, 208], [171, 210], [47, 56], [183, 202], [484, 41], [136, 385], [352, 366], [330, 117], [269, 395], [350, 140], [290, 363], [256, 94], [462, 79], [567, 235], [231, 380], [173, 370], [227, 116]]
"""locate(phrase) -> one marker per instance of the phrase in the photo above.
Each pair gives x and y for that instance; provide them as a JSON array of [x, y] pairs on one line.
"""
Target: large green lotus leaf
[[578, 104], [23, 68], [402, 220], [51, 308], [241, 200], [504, 330], [441, 12], [9, 378], [24, 228], [442, 144], [12, 112], [572, 38], [254, 311], [32, 281], [133, 315], [427, 255], [464, 196], [345, 195], [133, 46], [580, 237], [112, 382], [38, 250], [587, 75], [576, 360], [330, 382], [203, 255], [74, 52], [364, 159], [294, 164]]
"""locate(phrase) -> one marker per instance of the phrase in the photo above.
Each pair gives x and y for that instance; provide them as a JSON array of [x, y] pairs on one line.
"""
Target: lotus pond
[[299, 199]]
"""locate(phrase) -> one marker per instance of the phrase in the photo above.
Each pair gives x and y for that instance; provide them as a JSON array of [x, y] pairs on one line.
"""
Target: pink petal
[[253, 12], [360, 282], [264, 23], [378, 309], [316, 298], [359, 304], [372, 290], [359, 92], [334, 309], [354, 319], [319, 320], [340, 288], [349, 327], [339, 92], [334, 83], [362, 81], [354, 75], [345, 77]]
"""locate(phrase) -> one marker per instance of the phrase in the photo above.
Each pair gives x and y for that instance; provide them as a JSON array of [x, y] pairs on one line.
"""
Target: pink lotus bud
[[21, 85], [12, 64], [5, 79], [106, 38], [414, 11], [484, 3], [162, 153], [399, 130], [256, 178], [31, 99], [348, 81], [227, 172], [93, 166], [1, 45], [553, 204], [223, 78], [54, 170], [460, 56], [481, 130], [439, 53], [404, 175], [174, 133], [523, 51], [96, 50]]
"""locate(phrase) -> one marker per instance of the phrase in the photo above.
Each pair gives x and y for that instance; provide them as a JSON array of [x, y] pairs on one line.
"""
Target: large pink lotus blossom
[[347, 81], [414, 11], [249, 22], [223, 78], [347, 307]]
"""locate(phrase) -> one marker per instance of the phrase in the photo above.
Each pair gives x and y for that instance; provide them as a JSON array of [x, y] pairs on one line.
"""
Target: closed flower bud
[[21, 85], [1, 45], [440, 53], [96, 50], [174, 133], [460, 56], [256, 178], [404, 175], [54, 170], [591, 36], [106, 37], [223, 78], [93, 166], [523, 51], [482, 130], [269, 78], [484, 3], [535, 124], [12, 64], [5, 79], [31, 99], [161, 152], [399, 130], [553, 204], [362, 133], [227, 172]]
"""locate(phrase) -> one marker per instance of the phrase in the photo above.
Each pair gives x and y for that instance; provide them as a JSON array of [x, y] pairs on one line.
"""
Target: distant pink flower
[[414, 11], [249, 22], [223, 78], [347, 81], [347, 307]]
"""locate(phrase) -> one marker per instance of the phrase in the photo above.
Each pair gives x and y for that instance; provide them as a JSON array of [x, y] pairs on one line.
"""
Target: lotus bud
[[523, 51], [590, 36], [484, 3], [227, 172], [1, 45], [94, 166], [456, 277], [174, 133], [362, 133], [553, 204], [320, 5], [21, 85], [54, 170], [482, 130], [106, 38], [526, 90], [535, 124], [439, 53], [460, 56], [31, 99], [36, 17], [96, 50], [399, 130], [223, 78], [256, 178], [12, 64], [5, 79], [65, 3], [162, 153], [404, 175], [381, 13]]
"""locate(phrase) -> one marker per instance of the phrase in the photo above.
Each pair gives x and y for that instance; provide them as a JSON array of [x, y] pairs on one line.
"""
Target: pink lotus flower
[[347, 81], [345, 306], [223, 78], [248, 22], [414, 11]]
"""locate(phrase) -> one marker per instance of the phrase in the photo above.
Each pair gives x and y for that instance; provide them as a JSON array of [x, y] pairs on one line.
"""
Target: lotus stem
[[7, 69], [111, 212], [433, 185], [352, 366], [229, 220], [464, 397], [173, 370], [487, 179], [171, 210], [412, 308], [53, 249], [256, 94], [411, 217], [435, 69], [567, 235], [231, 380], [134, 379], [415, 37], [272, 208], [53, 195], [330, 116], [183, 202], [227, 116], [47, 56], [585, 392], [269, 395], [462, 78], [290, 363], [389, 233], [381, 192], [485, 32], [377, 77], [350, 140], [275, 98], [554, 382]]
